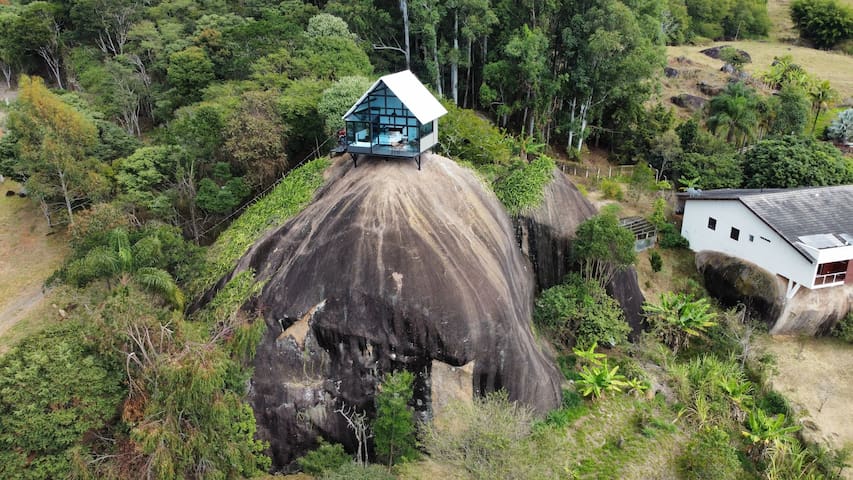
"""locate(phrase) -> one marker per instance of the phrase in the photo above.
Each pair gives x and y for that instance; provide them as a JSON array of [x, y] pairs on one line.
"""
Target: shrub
[[579, 312], [54, 388], [841, 129], [491, 438], [603, 248], [611, 189], [523, 186], [824, 22], [669, 237], [790, 161], [466, 136], [844, 328], [709, 456], [678, 317], [326, 457], [656, 261]]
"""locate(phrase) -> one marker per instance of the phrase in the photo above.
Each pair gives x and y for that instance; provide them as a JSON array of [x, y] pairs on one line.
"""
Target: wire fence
[[316, 153], [595, 171]]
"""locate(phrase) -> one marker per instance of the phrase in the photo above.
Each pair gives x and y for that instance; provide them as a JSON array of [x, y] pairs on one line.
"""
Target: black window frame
[[734, 234], [712, 223]]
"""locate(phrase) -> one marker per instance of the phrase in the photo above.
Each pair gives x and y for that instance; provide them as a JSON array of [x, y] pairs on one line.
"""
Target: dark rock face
[[389, 268], [727, 68], [670, 72], [545, 235], [685, 100], [733, 281], [809, 312], [714, 52]]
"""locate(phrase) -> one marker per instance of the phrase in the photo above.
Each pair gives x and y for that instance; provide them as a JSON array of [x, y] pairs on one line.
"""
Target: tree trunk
[[65, 196], [7, 72], [454, 60], [467, 76], [404, 9], [570, 143], [53, 64], [435, 60]]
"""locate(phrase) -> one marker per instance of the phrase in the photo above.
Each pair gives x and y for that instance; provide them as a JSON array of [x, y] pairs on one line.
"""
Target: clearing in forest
[[28, 255]]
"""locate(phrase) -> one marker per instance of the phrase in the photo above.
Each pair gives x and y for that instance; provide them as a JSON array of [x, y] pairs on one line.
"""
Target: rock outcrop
[[389, 268], [688, 101], [545, 235], [810, 312]]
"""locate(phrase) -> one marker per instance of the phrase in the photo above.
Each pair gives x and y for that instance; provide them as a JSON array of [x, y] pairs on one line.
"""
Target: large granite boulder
[[389, 268], [810, 312], [545, 235]]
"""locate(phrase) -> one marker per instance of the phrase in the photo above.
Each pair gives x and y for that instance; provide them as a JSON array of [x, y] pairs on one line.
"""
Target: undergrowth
[[283, 202], [522, 187]]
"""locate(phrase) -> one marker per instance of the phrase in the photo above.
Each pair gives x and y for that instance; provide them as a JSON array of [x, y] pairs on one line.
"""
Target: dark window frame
[[734, 234], [712, 223]]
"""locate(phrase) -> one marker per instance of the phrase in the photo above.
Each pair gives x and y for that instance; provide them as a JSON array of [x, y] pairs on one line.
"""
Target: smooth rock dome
[[388, 268]]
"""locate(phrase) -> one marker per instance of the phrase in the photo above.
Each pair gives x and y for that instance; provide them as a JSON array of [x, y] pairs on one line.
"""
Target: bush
[[844, 328], [394, 427], [790, 161], [824, 22], [579, 312], [326, 457], [611, 189], [656, 261], [523, 187], [841, 129], [669, 237], [464, 135], [491, 438], [54, 388], [709, 456]]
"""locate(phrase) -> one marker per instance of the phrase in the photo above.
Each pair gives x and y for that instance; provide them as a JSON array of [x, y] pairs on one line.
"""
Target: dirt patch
[[816, 375], [28, 255]]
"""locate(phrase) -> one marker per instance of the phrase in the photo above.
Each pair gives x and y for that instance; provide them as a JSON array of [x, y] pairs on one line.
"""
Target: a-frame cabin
[[396, 117]]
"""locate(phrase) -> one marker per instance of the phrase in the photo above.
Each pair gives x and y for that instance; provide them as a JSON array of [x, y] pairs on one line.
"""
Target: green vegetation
[[522, 186], [841, 129], [826, 23], [791, 161], [710, 454], [677, 318], [579, 312], [602, 248], [54, 389], [326, 457], [394, 427]]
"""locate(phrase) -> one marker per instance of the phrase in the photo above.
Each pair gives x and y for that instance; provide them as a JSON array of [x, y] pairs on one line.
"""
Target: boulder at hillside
[[810, 312], [545, 235], [389, 268], [688, 101], [716, 53]]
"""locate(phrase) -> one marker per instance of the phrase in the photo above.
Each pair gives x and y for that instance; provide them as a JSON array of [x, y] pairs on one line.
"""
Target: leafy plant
[[611, 189], [326, 457], [602, 248], [655, 261], [522, 187], [678, 317], [841, 129], [597, 380], [765, 431]]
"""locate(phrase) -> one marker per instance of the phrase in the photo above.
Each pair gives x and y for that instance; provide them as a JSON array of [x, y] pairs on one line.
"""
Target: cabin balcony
[[832, 273]]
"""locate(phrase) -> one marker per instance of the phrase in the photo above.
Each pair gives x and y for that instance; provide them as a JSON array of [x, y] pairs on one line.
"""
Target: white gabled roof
[[414, 95]]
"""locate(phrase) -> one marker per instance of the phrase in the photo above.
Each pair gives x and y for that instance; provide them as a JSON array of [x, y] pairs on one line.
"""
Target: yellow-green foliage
[[284, 201], [224, 309], [611, 189], [522, 187]]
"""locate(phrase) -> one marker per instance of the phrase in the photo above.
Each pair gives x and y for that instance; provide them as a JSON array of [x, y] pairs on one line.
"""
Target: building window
[[712, 223], [735, 234], [765, 239], [752, 238], [426, 129]]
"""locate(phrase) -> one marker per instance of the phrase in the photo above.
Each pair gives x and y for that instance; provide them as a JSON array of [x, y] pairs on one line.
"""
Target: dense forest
[[163, 138]]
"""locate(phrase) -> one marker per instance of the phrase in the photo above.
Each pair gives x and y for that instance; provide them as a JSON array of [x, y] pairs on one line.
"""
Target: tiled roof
[[796, 213]]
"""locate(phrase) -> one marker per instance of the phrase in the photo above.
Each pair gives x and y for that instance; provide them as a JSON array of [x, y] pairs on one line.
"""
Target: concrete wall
[[767, 249]]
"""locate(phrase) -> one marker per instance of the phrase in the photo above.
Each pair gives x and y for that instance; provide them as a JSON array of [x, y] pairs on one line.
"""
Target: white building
[[803, 235]]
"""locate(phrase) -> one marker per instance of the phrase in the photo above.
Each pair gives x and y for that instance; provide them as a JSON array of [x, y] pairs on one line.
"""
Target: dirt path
[[19, 308], [816, 375]]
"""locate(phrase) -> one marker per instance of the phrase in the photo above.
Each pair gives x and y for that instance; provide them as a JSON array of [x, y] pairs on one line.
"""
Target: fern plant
[[597, 380]]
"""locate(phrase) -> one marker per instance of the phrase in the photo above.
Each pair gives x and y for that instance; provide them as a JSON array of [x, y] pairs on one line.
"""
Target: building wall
[[429, 140], [767, 249]]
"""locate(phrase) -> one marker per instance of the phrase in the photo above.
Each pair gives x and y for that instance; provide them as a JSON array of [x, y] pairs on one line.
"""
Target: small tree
[[394, 426], [603, 248]]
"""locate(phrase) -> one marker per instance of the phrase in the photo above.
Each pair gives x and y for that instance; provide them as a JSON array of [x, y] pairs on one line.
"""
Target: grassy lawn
[[835, 67]]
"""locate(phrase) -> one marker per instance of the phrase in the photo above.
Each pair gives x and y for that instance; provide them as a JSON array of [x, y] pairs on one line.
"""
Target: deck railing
[[830, 278]]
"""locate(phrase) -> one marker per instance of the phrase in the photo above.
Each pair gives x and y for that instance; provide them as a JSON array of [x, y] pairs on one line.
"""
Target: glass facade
[[382, 125]]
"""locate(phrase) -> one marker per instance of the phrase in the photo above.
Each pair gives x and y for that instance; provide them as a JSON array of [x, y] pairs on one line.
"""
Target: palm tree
[[734, 113], [117, 259], [822, 96]]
